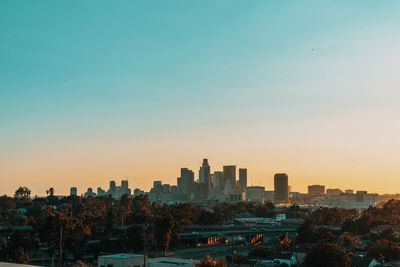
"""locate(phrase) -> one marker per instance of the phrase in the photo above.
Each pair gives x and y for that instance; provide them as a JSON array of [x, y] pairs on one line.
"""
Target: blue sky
[[198, 78]]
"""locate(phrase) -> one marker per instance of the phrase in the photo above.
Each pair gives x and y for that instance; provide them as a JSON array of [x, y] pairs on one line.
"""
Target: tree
[[327, 255], [209, 262], [22, 192], [388, 234], [262, 252], [306, 232], [385, 248], [348, 241], [163, 230], [50, 191]]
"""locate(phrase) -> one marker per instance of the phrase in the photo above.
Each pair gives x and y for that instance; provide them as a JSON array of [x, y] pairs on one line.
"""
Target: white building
[[121, 260]]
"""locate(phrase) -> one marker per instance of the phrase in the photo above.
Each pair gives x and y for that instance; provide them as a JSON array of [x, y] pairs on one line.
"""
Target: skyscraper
[[73, 191], [124, 187], [204, 179], [281, 190], [242, 179], [230, 174], [187, 180], [204, 173], [219, 180], [113, 189]]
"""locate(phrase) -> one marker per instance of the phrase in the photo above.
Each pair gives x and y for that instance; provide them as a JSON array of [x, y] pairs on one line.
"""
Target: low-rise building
[[255, 193], [121, 260]]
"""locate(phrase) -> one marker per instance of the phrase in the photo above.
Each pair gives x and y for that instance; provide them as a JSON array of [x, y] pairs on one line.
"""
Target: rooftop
[[122, 256]]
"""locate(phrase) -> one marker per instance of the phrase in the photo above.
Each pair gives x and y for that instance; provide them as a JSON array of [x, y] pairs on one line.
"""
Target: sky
[[97, 90]]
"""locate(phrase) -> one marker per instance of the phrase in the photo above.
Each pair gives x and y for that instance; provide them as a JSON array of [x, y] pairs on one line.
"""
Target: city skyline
[[310, 89], [196, 176]]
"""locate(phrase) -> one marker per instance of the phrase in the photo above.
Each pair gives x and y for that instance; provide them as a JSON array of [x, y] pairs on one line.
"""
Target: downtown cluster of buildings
[[227, 186]]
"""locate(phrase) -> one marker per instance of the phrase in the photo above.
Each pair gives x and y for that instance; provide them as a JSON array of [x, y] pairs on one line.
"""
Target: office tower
[[124, 184], [242, 179], [204, 173], [204, 179], [219, 180], [315, 190], [228, 188], [124, 187], [179, 184], [89, 192], [100, 191], [157, 186], [230, 174], [113, 189], [187, 180], [112, 185], [73, 191], [281, 188], [174, 189], [137, 192], [166, 188]]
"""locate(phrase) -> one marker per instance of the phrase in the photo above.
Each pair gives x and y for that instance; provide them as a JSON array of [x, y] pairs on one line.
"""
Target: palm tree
[[50, 191]]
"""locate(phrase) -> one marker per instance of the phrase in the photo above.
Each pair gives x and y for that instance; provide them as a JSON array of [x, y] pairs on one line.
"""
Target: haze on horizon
[[97, 90]]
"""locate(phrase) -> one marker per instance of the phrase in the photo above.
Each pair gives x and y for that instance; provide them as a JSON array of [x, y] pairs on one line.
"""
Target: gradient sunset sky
[[97, 90]]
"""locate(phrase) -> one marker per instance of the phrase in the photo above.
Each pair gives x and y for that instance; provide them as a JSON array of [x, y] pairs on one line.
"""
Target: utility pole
[[144, 251], [60, 246], [233, 254]]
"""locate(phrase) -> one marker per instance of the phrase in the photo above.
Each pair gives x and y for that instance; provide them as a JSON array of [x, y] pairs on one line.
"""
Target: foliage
[[209, 262], [383, 248], [348, 241], [262, 252], [327, 255]]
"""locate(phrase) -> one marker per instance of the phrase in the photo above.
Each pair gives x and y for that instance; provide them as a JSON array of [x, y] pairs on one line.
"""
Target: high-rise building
[[113, 189], [228, 188], [157, 186], [219, 180], [281, 192], [180, 184], [187, 180], [230, 174], [124, 187], [242, 179], [73, 191], [100, 191], [204, 173], [315, 190], [204, 179], [124, 184]]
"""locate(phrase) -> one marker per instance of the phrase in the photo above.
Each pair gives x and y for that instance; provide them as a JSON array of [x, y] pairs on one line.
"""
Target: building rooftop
[[9, 264], [122, 256]]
